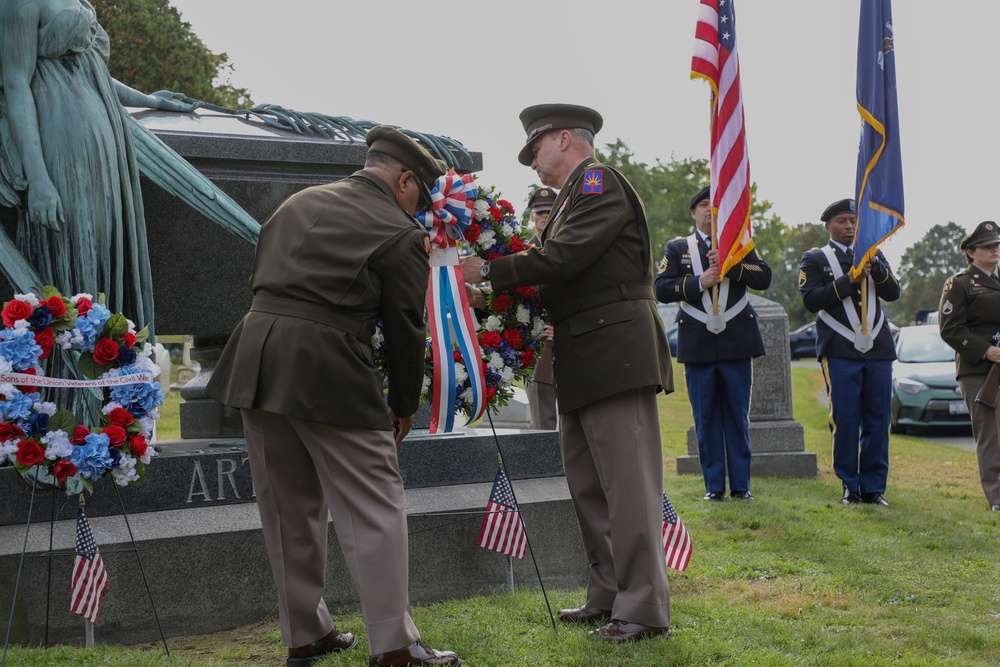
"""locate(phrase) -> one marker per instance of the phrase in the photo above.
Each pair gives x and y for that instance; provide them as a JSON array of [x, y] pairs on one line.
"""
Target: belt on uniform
[[569, 307], [303, 310]]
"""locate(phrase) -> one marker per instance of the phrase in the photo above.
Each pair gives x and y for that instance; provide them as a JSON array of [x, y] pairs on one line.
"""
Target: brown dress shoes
[[619, 632], [303, 656], [417, 653], [585, 614]]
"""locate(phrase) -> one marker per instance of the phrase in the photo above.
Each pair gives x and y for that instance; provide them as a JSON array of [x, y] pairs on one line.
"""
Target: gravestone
[[776, 439], [193, 517]]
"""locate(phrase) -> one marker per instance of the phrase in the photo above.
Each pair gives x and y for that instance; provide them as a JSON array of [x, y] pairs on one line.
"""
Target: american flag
[[90, 579], [502, 529], [715, 60], [676, 540]]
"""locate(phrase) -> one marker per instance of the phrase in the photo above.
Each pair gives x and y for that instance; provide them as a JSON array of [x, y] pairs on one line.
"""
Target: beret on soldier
[[700, 195], [412, 155], [986, 232], [539, 119], [836, 208], [542, 199]]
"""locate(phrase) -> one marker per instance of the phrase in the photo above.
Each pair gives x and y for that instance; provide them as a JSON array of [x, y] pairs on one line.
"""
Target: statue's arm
[[162, 99], [19, 40]]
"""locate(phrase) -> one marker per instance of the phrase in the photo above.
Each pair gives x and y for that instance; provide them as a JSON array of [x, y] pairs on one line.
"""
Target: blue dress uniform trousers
[[860, 392], [720, 401]]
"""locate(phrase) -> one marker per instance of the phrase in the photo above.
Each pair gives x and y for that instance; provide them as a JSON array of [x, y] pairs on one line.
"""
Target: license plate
[[958, 408]]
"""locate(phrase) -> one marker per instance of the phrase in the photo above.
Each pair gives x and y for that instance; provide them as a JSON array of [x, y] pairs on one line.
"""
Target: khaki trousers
[[614, 468], [986, 431], [300, 471]]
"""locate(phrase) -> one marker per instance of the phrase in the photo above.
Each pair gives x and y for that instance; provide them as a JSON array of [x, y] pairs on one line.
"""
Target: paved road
[[960, 436]]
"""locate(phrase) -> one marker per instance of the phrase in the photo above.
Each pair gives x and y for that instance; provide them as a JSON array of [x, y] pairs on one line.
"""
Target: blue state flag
[[880, 170]]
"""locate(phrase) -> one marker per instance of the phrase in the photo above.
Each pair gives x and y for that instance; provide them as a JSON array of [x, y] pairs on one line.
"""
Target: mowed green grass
[[794, 578]]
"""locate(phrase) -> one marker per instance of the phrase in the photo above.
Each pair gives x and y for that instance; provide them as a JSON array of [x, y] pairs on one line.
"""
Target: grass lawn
[[794, 578]]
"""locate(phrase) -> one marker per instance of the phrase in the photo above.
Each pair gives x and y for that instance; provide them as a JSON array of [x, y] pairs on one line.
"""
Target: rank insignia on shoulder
[[593, 182], [802, 278], [946, 308], [663, 265]]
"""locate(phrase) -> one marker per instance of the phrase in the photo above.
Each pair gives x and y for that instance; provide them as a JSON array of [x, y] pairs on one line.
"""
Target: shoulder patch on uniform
[[946, 308], [593, 182], [948, 284], [427, 244], [802, 278]]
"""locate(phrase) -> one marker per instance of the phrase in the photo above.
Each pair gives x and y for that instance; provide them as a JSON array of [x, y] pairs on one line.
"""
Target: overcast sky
[[467, 73]]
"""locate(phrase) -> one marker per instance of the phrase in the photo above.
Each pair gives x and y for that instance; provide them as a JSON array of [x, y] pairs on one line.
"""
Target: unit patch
[[593, 182]]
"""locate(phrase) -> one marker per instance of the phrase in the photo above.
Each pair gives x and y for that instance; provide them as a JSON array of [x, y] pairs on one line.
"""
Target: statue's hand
[[168, 101], [44, 206]]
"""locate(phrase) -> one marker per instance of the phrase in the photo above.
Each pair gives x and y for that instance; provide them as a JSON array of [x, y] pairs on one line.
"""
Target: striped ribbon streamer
[[449, 315]]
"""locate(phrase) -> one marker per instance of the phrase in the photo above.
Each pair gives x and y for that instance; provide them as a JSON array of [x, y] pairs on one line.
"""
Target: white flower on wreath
[[377, 339], [461, 375], [425, 387], [48, 408], [57, 445], [496, 362], [493, 323], [8, 449], [5, 367], [487, 239], [27, 298], [537, 326], [482, 209], [507, 374], [125, 473], [522, 315], [7, 389], [109, 406], [466, 395]]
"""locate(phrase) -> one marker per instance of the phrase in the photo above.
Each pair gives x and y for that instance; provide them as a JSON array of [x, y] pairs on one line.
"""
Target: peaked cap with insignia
[[542, 199], [539, 119], [985, 233], [412, 155]]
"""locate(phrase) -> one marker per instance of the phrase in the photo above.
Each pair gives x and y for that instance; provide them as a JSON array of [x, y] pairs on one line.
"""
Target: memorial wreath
[[45, 442]]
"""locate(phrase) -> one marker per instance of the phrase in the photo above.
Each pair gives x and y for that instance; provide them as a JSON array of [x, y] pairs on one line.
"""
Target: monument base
[[778, 451]]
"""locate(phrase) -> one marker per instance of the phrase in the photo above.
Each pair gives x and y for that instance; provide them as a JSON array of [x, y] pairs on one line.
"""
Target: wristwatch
[[484, 271]]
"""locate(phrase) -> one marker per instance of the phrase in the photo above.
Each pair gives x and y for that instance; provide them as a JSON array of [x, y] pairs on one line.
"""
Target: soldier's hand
[[476, 296], [866, 270], [400, 426], [713, 257], [710, 278], [470, 269], [993, 354], [548, 333]]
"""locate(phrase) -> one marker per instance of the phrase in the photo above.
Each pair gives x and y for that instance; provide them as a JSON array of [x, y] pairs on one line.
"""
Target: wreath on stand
[[508, 328], [45, 442]]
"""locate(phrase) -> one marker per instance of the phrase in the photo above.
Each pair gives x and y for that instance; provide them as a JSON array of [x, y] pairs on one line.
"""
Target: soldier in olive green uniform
[[541, 388], [595, 270], [969, 318], [331, 261]]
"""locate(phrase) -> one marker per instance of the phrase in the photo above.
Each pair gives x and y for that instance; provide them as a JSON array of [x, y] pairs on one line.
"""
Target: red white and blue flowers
[[47, 443]]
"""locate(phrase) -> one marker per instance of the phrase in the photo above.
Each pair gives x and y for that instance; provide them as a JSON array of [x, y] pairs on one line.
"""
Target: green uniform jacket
[[595, 271], [969, 316], [331, 261]]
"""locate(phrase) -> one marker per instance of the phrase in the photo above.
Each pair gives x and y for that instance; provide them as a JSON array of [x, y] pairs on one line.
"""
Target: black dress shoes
[[874, 499], [742, 495], [851, 498], [714, 497], [620, 632], [417, 653], [584, 614], [303, 656]]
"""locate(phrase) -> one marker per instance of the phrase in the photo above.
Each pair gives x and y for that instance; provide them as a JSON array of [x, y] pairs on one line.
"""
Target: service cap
[[986, 232], [412, 155], [539, 119], [700, 195], [836, 208], [541, 200]]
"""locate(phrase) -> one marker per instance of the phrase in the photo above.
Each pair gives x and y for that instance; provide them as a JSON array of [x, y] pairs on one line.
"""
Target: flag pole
[[87, 623], [715, 246]]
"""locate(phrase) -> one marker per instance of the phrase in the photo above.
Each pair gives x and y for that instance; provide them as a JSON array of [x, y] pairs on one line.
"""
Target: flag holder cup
[[51, 553]]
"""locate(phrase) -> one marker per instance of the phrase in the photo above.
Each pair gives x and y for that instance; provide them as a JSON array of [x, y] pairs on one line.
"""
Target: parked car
[[802, 342], [924, 389]]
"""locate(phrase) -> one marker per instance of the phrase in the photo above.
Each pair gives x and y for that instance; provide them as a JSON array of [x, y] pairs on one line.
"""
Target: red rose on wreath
[[137, 445], [121, 417], [493, 255], [129, 339], [45, 339], [490, 339], [116, 434], [490, 393], [505, 206], [10, 431], [527, 358], [516, 244], [16, 310], [472, 234], [457, 356], [105, 351], [526, 292], [513, 338], [79, 435], [63, 470], [30, 453], [83, 306], [496, 213], [56, 306], [503, 302]]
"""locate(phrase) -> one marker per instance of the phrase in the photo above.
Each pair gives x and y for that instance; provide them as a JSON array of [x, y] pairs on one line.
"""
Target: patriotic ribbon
[[449, 316], [25, 380]]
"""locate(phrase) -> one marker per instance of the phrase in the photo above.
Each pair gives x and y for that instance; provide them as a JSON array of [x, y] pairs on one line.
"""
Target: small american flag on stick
[[90, 579], [502, 529], [676, 540]]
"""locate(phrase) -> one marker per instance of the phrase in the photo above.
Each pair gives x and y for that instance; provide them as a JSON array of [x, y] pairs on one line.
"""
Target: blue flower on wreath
[[17, 407], [137, 398], [91, 326], [38, 424], [92, 458], [41, 318], [19, 348], [126, 356]]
